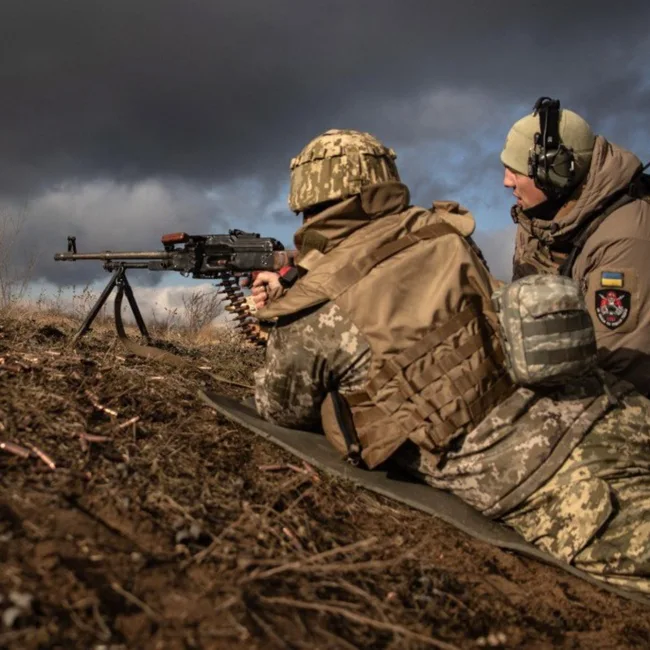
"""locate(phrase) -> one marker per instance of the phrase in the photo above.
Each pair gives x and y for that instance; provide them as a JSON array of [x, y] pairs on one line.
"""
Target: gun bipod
[[119, 280]]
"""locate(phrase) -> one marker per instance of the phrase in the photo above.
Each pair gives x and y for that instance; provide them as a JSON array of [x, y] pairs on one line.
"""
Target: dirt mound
[[131, 516]]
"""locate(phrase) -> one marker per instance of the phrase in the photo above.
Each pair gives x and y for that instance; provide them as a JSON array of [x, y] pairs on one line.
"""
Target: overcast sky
[[124, 119]]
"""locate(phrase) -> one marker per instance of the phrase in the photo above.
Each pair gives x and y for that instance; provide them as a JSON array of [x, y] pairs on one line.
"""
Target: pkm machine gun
[[226, 258]]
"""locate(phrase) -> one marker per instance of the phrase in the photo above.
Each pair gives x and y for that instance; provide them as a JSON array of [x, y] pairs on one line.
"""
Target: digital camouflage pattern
[[547, 332], [337, 165], [595, 512], [304, 360], [547, 495], [538, 429], [323, 349]]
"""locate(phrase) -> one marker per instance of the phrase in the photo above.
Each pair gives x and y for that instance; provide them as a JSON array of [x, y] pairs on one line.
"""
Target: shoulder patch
[[613, 307]]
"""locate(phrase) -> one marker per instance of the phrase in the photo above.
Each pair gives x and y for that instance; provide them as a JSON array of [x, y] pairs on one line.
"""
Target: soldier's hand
[[266, 288]]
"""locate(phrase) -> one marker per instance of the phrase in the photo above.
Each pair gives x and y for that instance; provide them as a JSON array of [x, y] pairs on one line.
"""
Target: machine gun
[[226, 258]]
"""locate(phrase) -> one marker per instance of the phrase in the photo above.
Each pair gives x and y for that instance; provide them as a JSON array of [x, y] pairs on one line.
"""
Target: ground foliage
[[141, 519]]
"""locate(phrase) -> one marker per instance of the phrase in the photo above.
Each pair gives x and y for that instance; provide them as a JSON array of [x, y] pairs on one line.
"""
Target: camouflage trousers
[[594, 513]]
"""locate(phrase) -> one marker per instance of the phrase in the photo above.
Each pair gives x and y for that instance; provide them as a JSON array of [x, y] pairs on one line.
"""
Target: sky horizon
[[125, 120]]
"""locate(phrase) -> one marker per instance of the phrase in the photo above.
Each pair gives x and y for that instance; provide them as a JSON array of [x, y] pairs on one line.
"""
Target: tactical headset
[[550, 164]]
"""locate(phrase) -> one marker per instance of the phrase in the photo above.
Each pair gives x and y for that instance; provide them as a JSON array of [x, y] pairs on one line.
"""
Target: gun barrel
[[108, 256]]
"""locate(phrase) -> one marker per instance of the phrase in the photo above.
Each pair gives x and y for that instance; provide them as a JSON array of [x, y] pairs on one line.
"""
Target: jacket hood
[[611, 171], [331, 226], [335, 224]]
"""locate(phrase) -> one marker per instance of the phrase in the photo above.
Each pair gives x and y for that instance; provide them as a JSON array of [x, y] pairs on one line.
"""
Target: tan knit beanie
[[575, 134]]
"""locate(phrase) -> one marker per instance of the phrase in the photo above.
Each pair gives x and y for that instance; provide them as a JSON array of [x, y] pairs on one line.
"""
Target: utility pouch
[[547, 333]]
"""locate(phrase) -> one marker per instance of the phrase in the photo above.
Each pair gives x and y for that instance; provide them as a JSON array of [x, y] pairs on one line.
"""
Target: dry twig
[[133, 420], [100, 621], [94, 400], [151, 613], [357, 618], [92, 437], [268, 630], [13, 448], [301, 564], [43, 456]]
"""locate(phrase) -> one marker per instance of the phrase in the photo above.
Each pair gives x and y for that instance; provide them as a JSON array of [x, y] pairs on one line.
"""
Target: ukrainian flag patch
[[611, 279]]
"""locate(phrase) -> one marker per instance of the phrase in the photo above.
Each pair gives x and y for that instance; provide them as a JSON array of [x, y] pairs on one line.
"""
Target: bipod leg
[[125, 287], [92, 314]]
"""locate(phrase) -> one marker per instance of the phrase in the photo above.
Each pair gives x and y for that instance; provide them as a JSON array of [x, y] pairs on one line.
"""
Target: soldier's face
[[528, 195]]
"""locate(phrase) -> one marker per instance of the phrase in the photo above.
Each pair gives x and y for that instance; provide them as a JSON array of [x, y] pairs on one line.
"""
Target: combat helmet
[[336, 165]]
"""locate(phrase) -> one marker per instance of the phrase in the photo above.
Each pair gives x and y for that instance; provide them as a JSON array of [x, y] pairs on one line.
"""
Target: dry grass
[[132, 516], [195, 323], [16, 266]]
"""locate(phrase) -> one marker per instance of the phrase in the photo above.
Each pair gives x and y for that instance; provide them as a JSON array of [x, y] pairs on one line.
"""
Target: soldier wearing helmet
[[583, 210], [388, 343], [334, 166]]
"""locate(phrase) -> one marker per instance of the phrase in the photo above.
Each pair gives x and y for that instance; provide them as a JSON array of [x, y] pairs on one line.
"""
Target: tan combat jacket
[[434, 375], [613, 268]]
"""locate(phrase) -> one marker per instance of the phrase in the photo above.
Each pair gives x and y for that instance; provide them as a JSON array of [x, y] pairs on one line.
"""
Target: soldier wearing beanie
[[583, 210]]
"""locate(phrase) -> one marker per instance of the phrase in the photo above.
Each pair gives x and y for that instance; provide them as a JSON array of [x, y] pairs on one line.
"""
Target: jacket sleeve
[[617, 293], [305, 359], [527, 258]]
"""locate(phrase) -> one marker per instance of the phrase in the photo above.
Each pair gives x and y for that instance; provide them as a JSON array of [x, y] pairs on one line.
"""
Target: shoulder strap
[[566, 267], [351, 273]]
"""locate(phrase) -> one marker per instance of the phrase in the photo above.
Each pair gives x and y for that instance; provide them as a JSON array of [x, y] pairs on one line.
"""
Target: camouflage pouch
[[547, 333]]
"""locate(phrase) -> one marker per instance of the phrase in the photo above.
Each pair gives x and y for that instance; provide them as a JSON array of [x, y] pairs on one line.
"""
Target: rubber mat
[[315, 450]]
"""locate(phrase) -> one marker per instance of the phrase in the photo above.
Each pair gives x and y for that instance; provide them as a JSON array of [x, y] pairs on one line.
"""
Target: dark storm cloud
[[195, 94], [213, 90]]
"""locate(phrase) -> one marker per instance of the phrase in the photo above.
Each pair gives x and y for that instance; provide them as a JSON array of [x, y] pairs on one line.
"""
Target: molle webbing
[[442, 379], [553, 357], [578, 320], [396, 364], [403, 389]]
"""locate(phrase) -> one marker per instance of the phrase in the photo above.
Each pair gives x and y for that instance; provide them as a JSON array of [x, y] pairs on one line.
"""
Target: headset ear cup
[[542, 180], [552, 170], [562, 169]]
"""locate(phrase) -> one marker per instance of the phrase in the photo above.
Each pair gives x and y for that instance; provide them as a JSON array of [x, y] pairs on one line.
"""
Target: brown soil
[[182, 530]]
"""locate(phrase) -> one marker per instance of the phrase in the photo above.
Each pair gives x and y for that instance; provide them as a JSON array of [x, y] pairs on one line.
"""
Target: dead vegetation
[[16, 266], [132, 516]]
